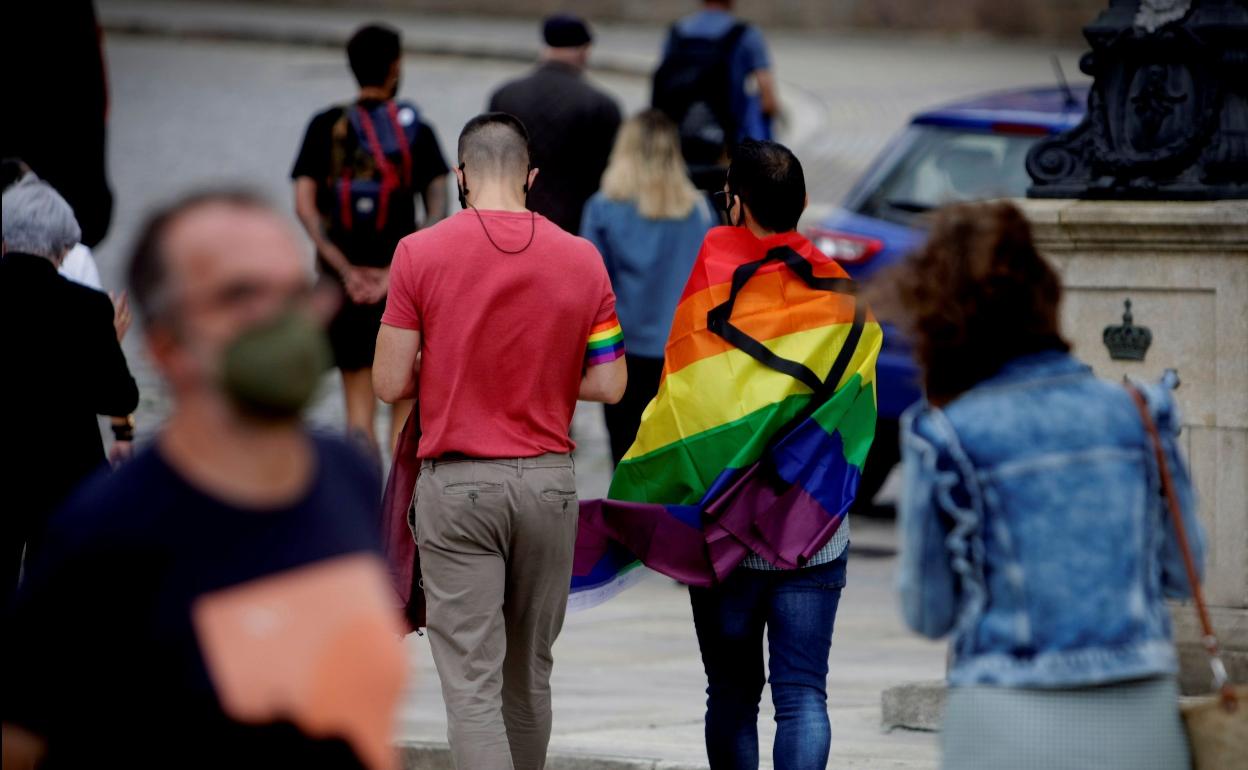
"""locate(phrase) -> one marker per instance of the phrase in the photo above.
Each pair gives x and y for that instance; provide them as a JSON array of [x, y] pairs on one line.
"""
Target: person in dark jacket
[[571, 123], [63, 366], [53, 70]]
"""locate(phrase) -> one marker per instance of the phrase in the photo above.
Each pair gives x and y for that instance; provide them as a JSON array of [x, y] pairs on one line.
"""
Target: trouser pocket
[[473, 490], [564, 498]]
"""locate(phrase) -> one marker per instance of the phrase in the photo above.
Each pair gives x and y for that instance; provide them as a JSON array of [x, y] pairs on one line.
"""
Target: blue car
[[966, 151]]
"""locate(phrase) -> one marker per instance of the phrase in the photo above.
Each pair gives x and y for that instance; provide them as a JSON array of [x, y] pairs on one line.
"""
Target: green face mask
[[272, 369]]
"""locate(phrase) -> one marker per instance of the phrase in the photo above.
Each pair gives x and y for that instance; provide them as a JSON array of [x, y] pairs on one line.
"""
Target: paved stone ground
[[192, 104], [628, 680]]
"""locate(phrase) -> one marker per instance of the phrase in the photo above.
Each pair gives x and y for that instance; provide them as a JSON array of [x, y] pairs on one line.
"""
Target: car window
[[935, 166]]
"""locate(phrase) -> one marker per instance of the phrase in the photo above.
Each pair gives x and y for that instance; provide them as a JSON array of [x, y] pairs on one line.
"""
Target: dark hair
[[372, 51], [566, 30], [973, 297], [147, 271], [769, 179], [495, 143], [11, 171]]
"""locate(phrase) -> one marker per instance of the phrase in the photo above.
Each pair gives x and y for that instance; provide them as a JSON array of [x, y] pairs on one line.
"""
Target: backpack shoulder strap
[[673, 35], [728, 43], [339, 131], [353, 113], [404, 134]]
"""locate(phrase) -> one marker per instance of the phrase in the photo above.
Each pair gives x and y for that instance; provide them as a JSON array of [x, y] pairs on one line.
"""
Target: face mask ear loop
[[731, 193]]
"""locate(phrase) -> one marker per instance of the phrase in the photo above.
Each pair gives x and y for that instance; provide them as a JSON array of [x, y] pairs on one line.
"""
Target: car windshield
[[931, 166]]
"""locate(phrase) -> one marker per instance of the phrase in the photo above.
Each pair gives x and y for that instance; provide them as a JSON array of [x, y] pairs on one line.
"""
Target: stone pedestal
[[914, 706], [1184, 266]]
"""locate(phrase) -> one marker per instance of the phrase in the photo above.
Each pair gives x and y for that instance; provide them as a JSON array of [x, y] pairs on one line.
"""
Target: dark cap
[[565, 31]]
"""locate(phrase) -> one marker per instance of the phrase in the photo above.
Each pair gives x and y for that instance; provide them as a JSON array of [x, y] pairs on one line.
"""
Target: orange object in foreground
[[319, 646]]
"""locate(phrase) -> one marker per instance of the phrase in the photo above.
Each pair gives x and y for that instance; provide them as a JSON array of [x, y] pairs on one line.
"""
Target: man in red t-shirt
[[497, 322]]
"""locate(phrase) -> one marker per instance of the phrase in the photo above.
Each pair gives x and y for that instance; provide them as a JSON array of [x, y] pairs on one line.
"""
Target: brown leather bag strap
[[1210, 641]]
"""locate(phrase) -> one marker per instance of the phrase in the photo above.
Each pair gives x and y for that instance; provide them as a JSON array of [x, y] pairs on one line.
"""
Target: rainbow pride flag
[[606, 343], [758, 435]]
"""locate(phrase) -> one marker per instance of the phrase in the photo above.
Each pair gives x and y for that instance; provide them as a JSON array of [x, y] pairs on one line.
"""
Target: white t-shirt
[[79, 266]]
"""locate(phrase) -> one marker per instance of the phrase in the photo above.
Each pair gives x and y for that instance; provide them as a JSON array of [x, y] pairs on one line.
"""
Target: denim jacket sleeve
[[1174, 581], [926, 579]]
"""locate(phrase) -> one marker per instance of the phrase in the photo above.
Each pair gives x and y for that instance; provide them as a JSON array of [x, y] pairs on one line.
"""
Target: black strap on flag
[[719, 322]]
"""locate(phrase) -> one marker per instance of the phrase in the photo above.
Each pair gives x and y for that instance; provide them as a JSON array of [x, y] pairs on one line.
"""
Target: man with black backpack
[[716, 83], [357, 176]]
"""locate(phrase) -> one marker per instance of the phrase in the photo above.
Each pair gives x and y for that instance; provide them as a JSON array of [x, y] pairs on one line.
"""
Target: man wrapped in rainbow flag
[[747, 461]]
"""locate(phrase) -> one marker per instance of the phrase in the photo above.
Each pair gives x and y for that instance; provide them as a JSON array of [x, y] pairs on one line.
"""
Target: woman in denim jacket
[[1032, 524]]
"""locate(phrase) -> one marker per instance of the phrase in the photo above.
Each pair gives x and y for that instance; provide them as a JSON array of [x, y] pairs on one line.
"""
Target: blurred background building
[[1051, 19]]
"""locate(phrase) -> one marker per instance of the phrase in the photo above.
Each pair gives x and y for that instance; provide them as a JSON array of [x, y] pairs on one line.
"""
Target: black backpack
[[693, 86], [370, 163]]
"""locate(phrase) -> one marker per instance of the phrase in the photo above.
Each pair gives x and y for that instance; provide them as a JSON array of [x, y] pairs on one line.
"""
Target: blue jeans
[[798, 609]]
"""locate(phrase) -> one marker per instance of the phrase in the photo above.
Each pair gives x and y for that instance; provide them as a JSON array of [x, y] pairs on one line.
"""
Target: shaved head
[[495, 145]]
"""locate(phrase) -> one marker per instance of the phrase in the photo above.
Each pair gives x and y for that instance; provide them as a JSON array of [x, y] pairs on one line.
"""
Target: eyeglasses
[[723, 201], [241, 295]]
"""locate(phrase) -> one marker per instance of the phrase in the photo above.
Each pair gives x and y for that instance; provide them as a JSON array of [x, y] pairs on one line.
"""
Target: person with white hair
[[60, 344], [79, 266]]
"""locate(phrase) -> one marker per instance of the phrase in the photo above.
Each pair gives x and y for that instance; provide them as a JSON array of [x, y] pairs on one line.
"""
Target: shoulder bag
[[1217, 725]]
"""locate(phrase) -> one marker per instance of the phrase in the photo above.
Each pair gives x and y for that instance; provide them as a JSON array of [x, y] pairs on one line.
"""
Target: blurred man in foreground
[[60, 344], [217, 602]]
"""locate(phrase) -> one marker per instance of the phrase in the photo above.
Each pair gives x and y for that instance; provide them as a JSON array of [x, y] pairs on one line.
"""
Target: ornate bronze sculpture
[[1168, 111]]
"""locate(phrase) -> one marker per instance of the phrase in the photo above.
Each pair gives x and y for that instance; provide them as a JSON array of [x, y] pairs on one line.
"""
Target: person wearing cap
[[571, 122]]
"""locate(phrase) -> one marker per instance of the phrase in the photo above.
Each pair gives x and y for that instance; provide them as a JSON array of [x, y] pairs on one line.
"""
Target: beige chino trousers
[[496, 543]]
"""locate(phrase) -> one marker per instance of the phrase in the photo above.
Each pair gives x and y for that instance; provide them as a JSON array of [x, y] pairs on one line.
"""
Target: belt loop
[[519, 467]]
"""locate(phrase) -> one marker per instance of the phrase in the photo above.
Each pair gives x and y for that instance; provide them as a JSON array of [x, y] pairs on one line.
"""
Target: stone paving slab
[[422, 755]]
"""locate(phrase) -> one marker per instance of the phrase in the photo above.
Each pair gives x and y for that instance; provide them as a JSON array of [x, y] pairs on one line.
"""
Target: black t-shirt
[[103, 658], [314, 161]]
